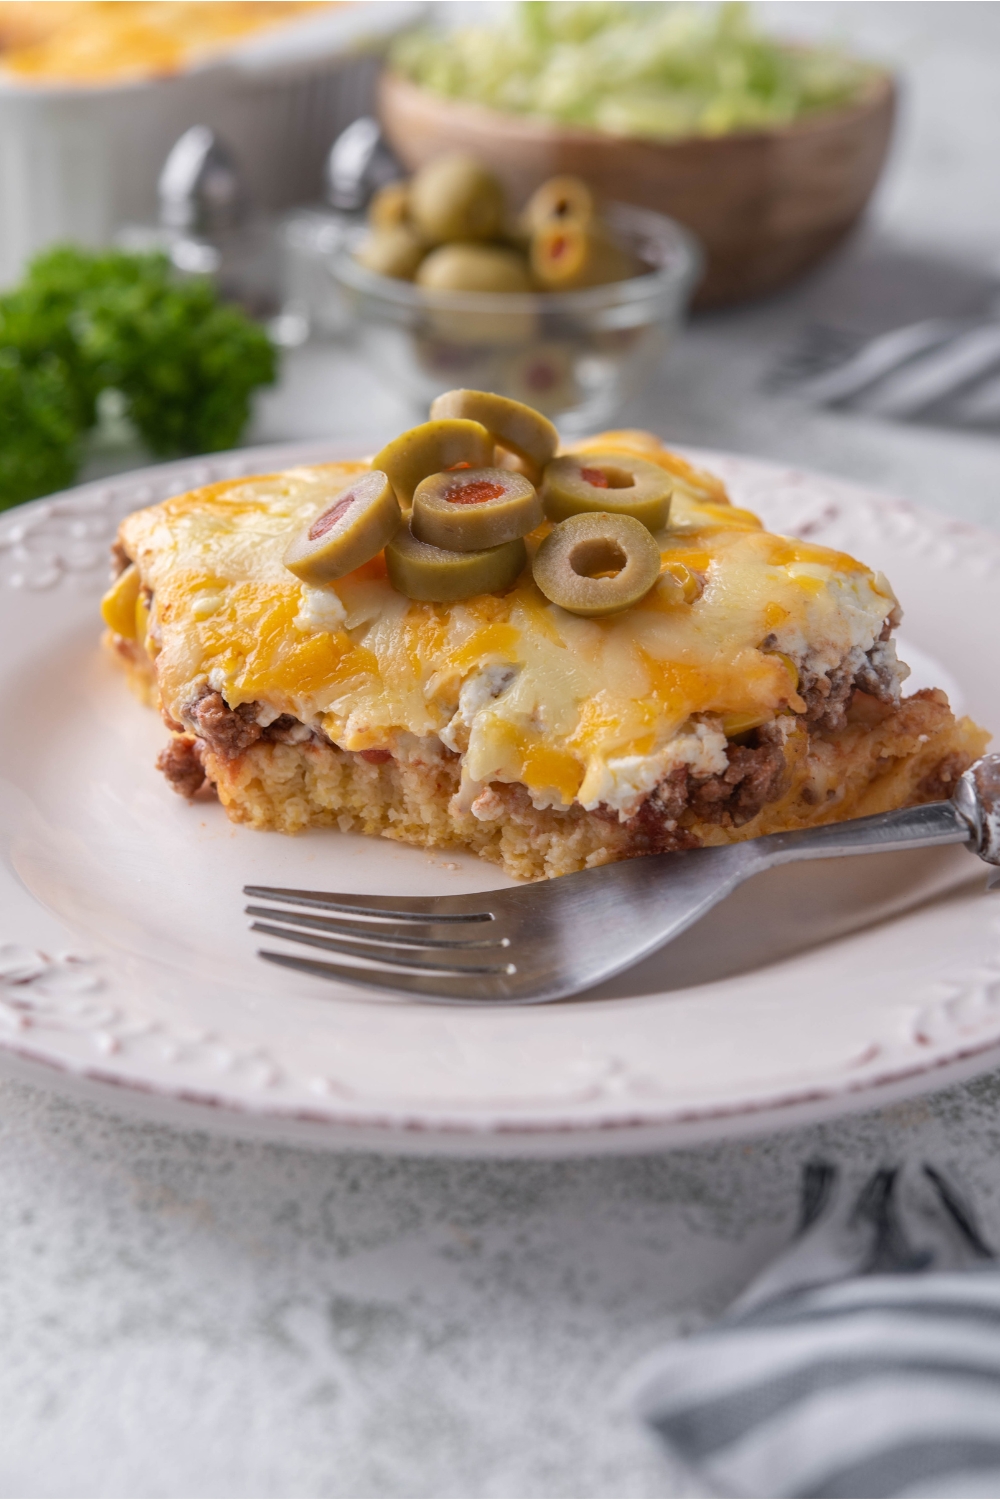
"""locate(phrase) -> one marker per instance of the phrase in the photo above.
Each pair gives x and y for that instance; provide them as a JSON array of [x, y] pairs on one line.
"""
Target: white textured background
[[188, 1316]]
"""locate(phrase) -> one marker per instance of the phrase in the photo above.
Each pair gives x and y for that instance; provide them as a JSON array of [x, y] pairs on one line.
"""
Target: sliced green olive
[[597, 564], [352, 529], [473, 509], [390, 206], [393, 251], [455, 197], [557, 201], [474, 268], [568, 255], [439, 576], [431, 448], [613, 482], [513, 425]]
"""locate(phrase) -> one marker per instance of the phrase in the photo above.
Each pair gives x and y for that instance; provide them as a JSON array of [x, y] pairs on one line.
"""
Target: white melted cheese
[[320, 610], [625, 781], [593, 711]]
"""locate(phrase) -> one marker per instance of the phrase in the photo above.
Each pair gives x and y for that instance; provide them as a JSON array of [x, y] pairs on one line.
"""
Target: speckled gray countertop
[[185, 1316], [182, 1315]]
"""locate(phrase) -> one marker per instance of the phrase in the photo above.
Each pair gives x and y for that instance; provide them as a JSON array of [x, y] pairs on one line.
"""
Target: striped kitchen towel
[[864, 1362]]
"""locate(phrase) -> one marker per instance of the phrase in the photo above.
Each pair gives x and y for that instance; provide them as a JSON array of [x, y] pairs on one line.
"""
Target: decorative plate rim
[[52, 541]]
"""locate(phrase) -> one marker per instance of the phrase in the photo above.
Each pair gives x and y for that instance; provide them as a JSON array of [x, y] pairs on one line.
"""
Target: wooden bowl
[[766, 205]]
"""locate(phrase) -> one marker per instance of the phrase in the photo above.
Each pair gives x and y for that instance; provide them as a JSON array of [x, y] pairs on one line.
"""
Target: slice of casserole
[[753, 688]]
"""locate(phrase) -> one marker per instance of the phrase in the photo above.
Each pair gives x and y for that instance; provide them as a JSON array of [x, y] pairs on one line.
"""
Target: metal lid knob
[[199, 187], [359, 164]]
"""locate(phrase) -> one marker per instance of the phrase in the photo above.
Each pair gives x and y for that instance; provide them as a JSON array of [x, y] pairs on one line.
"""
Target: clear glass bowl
[[574, 355]]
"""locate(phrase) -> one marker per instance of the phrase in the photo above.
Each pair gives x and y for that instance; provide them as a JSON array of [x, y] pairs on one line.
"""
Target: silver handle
[[971, 817], [977, 798]]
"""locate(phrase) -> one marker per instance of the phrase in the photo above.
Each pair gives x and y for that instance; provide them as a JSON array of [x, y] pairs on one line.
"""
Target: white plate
[[765, 1013]]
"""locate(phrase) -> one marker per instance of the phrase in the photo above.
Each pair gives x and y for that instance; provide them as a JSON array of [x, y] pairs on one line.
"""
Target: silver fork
[[941, 364], [545, 941]]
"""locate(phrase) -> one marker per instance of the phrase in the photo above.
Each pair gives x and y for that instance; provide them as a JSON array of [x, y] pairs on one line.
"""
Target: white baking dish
[[77, 162]]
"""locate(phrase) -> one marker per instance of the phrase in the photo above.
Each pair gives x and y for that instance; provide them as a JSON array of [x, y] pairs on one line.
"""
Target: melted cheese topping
[[595, 711], [97, 41]]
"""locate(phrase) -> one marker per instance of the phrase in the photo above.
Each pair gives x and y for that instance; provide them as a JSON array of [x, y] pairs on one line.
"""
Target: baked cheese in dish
[[87, 42], [755, 687]]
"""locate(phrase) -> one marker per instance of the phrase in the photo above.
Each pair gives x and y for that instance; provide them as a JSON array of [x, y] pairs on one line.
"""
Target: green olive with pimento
[[597, 564], [440, 575], [469, 509], [615, 483]]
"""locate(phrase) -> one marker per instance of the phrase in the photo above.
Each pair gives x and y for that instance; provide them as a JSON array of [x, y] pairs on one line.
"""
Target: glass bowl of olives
[[567, 306]]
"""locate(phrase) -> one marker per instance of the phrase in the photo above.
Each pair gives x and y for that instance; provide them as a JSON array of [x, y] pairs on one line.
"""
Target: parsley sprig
[[84, 322]]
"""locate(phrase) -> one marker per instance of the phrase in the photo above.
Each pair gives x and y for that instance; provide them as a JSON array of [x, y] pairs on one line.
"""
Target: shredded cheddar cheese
[[578, 710], [104, 41]]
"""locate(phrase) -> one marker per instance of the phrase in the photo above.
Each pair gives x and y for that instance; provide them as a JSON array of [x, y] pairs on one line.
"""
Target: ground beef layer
[[881, 757]]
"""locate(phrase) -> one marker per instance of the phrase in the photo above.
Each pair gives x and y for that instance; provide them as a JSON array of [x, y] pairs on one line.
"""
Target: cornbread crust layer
[[883, 757], [754, 690]]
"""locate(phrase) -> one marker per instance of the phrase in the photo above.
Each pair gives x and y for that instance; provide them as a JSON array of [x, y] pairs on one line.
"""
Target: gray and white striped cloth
[[864, 1362]]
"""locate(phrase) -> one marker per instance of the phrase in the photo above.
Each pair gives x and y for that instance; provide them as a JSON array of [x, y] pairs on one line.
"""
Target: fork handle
[[977, 799], [971, 816]]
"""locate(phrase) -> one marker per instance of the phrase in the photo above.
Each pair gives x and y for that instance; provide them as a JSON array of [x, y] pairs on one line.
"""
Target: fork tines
[[403, 908], [375, 931], [407, 936]]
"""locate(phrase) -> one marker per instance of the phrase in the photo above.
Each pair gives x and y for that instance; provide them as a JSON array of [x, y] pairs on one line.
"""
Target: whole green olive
[[351, 530], [608, 482], [558, 200], [512, 424], [429, 449], [546, 374], [597, 564], [567, 255], [474, 268], [396, 251], [439, 576], [471, 509], [455, 197], [390, 206]]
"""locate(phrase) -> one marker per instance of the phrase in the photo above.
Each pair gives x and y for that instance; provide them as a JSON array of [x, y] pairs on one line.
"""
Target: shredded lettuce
[[660, 71]]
